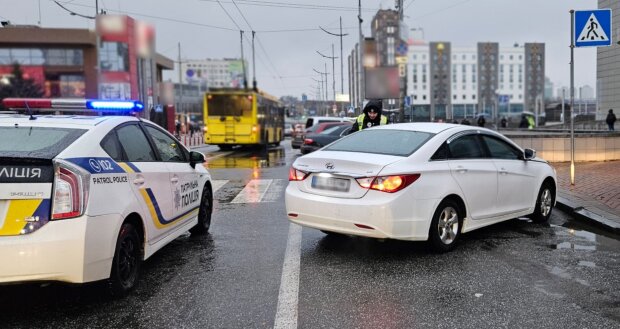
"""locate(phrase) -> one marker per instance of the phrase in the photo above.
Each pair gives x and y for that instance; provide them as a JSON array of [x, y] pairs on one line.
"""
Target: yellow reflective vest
[[360, 120]]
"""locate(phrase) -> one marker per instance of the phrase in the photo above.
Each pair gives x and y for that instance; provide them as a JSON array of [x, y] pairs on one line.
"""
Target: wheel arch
[[136, 220], [459, 202]]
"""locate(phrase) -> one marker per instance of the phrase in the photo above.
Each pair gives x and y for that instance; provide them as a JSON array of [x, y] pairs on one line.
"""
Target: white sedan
[[419, 181]]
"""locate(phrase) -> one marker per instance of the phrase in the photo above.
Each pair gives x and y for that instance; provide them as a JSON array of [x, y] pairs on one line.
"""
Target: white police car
[[86, 198]]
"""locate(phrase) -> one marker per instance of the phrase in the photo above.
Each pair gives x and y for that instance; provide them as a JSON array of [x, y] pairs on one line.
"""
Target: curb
[[586, 215]]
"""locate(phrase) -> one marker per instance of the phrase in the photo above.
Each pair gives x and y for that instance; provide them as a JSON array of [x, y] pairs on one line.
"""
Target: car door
[[515, 182], [475, 174], [185, 180], [150, 180]]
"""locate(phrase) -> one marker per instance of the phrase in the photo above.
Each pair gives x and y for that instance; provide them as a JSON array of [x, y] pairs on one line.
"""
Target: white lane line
[[216, 184], [276, 191], [286, 314], [253, 191]]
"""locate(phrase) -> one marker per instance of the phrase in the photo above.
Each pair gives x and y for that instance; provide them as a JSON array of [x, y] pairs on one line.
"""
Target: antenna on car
[[29, 111]]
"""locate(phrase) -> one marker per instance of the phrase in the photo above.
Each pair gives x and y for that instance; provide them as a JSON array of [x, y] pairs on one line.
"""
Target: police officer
[[372, 116]]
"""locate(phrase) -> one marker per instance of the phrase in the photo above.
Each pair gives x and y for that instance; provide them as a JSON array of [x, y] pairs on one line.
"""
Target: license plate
[[330, 183]]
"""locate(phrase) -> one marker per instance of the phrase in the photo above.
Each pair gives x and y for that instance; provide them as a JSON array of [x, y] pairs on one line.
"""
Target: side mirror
[[196, 157], [529, 154]]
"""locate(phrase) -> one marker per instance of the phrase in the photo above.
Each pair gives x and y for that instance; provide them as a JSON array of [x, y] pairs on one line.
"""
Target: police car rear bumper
[[73, 250]]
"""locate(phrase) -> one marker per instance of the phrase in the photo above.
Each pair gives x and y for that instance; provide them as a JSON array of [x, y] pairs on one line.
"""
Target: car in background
[[419, 181], [298, 139], [315, 141], [86, 197]]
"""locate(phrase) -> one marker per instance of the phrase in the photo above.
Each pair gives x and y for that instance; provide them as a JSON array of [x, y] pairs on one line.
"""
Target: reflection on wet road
[[246, 158]]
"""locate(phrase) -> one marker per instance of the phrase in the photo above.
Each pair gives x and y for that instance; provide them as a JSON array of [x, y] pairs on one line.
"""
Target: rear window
[[389, 142], [36, 142]]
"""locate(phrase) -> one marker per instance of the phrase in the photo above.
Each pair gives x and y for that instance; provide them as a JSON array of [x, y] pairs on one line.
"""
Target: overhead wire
[[295, 5]]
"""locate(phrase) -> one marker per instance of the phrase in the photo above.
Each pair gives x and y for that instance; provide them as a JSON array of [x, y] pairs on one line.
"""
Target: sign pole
[[572, 97]]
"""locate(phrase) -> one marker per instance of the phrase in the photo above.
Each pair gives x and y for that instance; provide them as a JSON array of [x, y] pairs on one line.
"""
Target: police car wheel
[[126, 262], [204, 213]]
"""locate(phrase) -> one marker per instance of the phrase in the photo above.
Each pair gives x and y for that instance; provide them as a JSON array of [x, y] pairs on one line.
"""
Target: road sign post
[[588, 28]]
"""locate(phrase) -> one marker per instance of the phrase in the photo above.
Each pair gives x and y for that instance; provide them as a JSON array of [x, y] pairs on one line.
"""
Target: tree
[[19, 87]]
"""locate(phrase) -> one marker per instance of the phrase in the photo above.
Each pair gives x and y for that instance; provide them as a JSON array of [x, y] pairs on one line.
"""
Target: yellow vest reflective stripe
[[360, 120]]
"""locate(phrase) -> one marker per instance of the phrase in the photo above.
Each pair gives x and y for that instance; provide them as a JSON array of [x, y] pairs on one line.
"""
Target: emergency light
[[74, 105]]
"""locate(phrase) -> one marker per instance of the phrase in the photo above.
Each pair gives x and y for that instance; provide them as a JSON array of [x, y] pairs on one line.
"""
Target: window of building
[[424, 97], [390, 29], [520, 96], [454, 96], [415, 97], [114, 56], [473, 97], [390, 50]]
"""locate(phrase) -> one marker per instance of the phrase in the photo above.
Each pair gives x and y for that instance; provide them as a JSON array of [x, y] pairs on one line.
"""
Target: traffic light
[[402, 70]]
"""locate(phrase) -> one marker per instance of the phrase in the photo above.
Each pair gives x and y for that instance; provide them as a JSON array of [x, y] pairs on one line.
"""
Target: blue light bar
[[120, 106]]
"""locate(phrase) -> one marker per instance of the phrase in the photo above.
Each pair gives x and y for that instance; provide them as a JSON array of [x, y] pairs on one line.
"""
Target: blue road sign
[[401, 49], [593, 28], [407, 100]]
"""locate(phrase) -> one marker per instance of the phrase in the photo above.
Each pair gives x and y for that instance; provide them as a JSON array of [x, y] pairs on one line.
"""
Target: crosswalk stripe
[[253, 192], [216, 184], [275, 192]]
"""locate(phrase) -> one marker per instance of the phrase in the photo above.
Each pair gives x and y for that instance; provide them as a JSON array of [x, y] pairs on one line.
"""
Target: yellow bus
[[242, 117]]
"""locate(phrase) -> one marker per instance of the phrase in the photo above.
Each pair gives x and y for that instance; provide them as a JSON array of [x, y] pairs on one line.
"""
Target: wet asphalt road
[[514, 274]]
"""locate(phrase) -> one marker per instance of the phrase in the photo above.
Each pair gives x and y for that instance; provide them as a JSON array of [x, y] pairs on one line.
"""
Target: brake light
[[68, 194], [296, 174], [254, 129], [389, 184], [308, 141]]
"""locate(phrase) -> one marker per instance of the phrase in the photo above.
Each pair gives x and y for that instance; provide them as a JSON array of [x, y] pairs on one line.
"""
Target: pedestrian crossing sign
[[593, 28]]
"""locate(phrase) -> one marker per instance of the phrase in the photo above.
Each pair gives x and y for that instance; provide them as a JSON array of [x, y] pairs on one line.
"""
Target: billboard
[[382, 82]]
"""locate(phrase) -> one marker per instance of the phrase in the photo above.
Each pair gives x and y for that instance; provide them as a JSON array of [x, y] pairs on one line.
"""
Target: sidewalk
[[595, 197]]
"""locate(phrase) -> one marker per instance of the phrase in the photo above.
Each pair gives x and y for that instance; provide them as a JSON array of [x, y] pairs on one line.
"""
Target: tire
[[225, 147], [127, 261], [544, 204], [445, 227], [332, 234], [204, 213]]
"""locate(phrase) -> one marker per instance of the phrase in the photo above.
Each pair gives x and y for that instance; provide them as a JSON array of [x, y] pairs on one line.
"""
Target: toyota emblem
[[329, 165]]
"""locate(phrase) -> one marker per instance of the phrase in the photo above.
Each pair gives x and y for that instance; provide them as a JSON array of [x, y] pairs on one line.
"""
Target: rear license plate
[[330, 183]]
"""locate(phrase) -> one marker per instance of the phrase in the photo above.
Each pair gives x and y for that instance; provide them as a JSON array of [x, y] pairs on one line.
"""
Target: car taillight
[[296, 174], [70, 193], [308, 141], [390, 184]]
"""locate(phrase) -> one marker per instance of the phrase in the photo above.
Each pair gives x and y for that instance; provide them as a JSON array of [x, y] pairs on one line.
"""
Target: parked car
[[88, 198], [298, 140], [419, 181], [315, 141]]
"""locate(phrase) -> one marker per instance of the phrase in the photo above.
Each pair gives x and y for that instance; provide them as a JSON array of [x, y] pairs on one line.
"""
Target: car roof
[[429, 127], [48, 120]]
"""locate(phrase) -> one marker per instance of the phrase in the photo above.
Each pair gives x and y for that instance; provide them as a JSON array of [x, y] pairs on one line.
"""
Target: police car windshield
[[36, 142], [384, 141]]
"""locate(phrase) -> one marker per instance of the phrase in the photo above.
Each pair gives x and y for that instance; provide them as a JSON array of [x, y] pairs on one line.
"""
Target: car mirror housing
[[529, 154], [196, 157]]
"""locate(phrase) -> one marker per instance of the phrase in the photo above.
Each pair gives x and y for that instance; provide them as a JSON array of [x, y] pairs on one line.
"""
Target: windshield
[[389, 142], [36, 142], [229, 105]]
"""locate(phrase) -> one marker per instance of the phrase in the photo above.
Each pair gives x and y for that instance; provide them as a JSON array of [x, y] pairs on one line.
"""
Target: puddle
[[581, 240], [248, 159]]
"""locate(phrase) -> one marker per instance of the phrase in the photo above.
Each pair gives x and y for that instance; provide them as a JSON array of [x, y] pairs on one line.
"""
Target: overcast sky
[[285, 59]]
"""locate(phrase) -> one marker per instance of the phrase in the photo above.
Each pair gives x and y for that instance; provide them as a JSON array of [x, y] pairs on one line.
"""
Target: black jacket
[[611, 118], [377, 105]]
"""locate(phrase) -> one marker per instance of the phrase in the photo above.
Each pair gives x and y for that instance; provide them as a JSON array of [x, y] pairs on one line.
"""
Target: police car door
[[150, 181], [185, 181]]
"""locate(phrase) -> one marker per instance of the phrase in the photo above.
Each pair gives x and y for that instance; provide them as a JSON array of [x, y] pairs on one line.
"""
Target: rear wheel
[[544, 204], [445, 226], [225, 147], [204, 213], [127, 260]]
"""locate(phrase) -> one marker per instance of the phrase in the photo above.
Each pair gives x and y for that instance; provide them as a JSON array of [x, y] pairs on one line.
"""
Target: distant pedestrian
[[503, 122], [531, 122], [524, 123], [611, 119], [481, 120]]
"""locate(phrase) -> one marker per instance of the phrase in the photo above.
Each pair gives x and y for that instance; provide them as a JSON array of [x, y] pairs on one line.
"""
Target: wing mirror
[[196, 157], [529, 154]]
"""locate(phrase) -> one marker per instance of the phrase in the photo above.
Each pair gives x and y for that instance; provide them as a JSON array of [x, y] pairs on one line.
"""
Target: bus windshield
[[229, 105]]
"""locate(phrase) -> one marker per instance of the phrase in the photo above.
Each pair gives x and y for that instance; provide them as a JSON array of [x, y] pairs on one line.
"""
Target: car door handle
[[461, 170], [174, 180], [139, 181]]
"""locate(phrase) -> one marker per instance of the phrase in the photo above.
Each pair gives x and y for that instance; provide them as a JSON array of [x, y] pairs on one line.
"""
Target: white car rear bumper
[[387, 215], [72, 250]]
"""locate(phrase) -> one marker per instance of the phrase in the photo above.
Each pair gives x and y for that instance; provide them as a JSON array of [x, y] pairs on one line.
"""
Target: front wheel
[[204, 213], [544, 204], [127, 260], [445, 226]]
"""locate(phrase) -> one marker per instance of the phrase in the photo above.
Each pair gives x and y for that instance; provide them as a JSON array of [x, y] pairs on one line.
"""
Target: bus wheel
[[225, 147]]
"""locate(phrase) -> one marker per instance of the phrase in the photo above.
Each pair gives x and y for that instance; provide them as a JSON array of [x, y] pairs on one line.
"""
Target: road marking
[[216, 184], [253, 191], [286, 314], [274, 194]]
